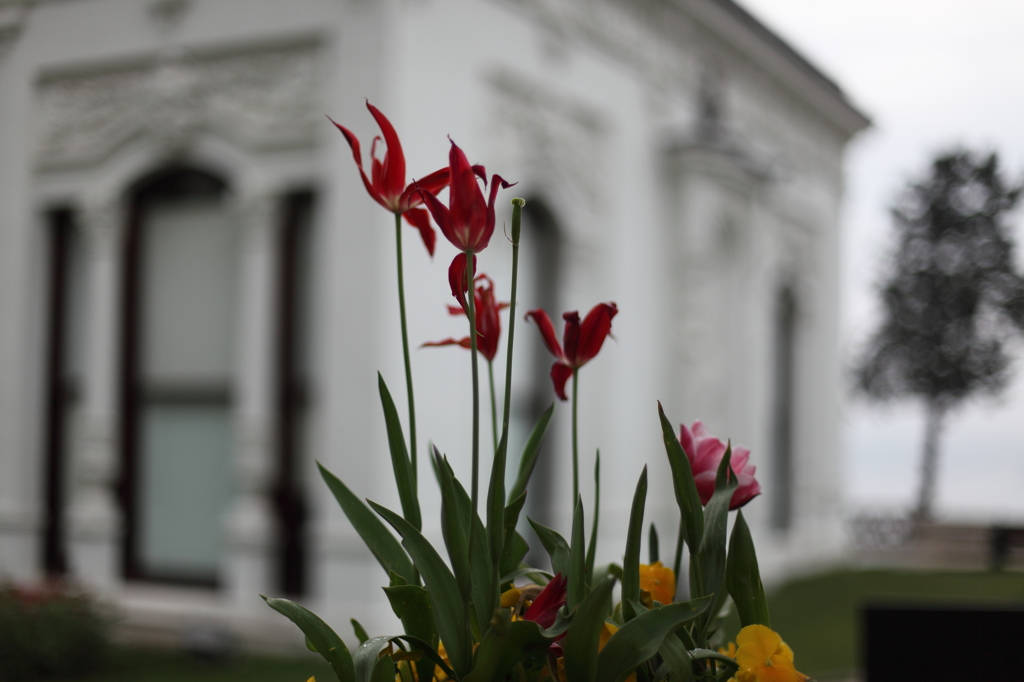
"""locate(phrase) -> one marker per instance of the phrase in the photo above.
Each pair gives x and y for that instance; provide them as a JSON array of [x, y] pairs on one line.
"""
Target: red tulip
[[705, 453], [582, 342], [387, 186], [488, 322], [544, 608], [468, 220]]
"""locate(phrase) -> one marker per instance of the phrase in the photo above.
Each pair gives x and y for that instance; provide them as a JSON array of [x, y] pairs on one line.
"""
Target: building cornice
[[739, 29]]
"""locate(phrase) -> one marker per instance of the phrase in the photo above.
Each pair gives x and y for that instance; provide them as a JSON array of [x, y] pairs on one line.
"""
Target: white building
[[196, 291]]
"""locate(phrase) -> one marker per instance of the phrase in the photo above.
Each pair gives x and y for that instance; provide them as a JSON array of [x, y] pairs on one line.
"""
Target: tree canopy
[[953, 296]]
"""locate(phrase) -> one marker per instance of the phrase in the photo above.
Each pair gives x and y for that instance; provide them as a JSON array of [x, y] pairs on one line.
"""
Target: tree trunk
[[935, 418]]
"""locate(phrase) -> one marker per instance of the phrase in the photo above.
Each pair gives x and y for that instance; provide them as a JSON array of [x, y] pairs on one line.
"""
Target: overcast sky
[[931, 75]]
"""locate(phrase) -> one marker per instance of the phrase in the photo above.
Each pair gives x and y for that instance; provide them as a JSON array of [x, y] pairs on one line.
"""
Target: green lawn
[[144, 665], [819, 616]]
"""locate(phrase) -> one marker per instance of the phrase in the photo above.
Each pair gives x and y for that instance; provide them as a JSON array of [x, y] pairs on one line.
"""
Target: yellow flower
[[762, 657], [439, 675], [607, 630], [658, 581], [510, 597]]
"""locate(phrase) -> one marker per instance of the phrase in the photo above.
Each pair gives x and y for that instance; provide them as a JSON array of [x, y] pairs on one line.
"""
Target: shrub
[[50, 631]]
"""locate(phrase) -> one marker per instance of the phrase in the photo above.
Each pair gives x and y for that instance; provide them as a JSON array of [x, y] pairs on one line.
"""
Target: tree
[[952, 301]]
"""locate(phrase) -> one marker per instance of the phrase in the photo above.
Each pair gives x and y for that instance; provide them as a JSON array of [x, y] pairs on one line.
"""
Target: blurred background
[[197, 293]]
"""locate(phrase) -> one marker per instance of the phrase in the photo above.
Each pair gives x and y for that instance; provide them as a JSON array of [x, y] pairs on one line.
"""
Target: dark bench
[[1003, 539], [943, 644]]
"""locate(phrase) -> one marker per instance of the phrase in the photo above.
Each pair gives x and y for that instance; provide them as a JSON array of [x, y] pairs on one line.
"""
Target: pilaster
[[95, 523], [250, 522]]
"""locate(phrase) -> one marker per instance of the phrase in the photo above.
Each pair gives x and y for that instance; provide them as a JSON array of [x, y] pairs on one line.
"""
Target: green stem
[[678, 564], [476, 380], [575, 451], [517, 214], [494, 405], [405, 347]]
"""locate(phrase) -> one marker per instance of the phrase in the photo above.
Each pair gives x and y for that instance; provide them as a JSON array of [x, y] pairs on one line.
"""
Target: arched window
[[180, 312], [539, 283], [65, 361], [782, 409], [293, 381]]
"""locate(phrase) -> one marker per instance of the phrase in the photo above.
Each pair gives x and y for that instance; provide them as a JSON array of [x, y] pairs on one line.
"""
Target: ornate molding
[[104, 225], [260, 100], [12, 16], [557, 141]]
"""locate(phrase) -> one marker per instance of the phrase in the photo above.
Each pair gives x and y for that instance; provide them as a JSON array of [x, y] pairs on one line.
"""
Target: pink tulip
[[705, 453]]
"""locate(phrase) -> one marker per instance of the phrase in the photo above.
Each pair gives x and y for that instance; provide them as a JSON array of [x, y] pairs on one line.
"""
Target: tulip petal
[[392, 181], [464, 342], [353, 143], [544, 608], [436, 181], [458, 280], [705, 481], [466, 203], [420, 219], [560, 374], [433, 183], [438, 211], [496, 183], [744, 493], [571, 337], [595, 328], [547, 331], [686, 440]]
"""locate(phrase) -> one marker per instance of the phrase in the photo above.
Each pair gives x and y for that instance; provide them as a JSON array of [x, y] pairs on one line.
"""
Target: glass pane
[[185, 488], [188, 283], [76, 312]]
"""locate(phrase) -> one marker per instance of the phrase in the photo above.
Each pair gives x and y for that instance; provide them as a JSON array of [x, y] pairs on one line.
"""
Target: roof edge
[[732, 22]]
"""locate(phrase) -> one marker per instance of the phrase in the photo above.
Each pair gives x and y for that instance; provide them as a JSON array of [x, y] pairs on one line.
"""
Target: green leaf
[[485, 576], [581, 643], [515, 547], [711, 555], [676, 660], [400, 462], [743, 578], [652, 544], [496, 503], [512, 511], [498, 655], [454, 527], [512, 556], [483, 582], [631, 560], [640, 638], [682, 482], [556, 546], [592, 547], [370, 665], [325, 641], [727, 666], [530, 451], [360, 631], [577, 578], [411, 604], [379, 540], [525, 570], [429, 653], [449, 609]]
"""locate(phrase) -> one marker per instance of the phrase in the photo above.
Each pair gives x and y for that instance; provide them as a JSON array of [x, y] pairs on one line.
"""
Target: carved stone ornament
[[259, 100], [12, 16], [558, 141]]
